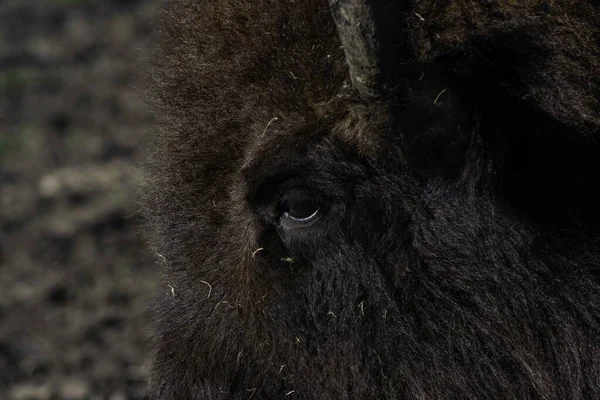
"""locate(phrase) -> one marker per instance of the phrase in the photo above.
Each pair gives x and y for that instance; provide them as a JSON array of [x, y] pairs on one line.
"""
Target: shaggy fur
[[458, 257]]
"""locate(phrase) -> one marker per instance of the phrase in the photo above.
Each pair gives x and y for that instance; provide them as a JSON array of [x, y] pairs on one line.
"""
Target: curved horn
[[356, 27]]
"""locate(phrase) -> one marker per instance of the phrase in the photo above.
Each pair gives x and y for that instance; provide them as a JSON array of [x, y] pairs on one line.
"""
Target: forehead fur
[[239, 59]]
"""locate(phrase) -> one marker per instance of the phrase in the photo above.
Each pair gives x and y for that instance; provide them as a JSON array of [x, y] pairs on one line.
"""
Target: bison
[[376, 199]]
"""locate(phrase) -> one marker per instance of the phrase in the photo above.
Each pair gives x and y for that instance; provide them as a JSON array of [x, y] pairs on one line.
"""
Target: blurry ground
[[75, 280]]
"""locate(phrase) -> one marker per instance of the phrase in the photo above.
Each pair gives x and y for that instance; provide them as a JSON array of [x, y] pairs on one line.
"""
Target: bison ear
[[365, 29]]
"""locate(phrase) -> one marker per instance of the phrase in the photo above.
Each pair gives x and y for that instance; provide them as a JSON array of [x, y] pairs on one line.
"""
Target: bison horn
[[355, 23]]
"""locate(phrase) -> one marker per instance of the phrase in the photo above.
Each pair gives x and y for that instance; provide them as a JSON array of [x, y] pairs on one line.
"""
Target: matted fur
[[459, 255]]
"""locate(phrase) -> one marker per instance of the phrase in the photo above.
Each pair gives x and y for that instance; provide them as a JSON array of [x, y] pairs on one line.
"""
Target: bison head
[[382, 200]]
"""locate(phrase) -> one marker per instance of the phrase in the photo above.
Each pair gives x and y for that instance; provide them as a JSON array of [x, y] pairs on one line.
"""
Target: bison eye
[[297, 208], [302, 212]]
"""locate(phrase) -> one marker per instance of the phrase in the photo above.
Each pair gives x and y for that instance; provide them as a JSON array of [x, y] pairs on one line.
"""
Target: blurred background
[[75, 277]]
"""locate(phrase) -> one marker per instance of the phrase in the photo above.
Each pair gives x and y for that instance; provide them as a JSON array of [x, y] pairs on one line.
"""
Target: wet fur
[[459, 258]]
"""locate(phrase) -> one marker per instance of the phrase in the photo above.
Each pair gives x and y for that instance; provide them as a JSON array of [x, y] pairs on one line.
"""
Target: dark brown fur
[[459, 255]]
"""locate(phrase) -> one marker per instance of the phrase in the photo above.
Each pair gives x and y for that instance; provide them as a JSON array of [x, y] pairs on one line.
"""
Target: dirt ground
[[75, 278]]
